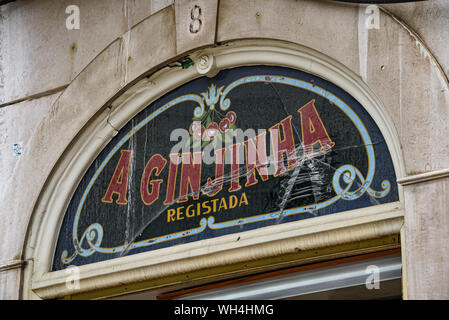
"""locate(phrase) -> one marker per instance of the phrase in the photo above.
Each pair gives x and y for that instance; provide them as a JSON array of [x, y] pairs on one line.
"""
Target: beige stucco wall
[[53, 80]]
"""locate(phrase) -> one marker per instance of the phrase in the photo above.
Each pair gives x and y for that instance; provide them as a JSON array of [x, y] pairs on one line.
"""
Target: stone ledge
[[424, 177], [14, 264]]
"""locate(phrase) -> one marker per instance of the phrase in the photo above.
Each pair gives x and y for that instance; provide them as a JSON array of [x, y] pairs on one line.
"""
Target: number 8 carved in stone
[[195, 14]]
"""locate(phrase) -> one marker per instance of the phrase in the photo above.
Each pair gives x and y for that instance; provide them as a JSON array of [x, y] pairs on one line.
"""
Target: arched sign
[[252, 147]]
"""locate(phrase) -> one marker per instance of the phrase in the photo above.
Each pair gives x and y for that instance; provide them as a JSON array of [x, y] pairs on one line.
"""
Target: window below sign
[[364, 277]]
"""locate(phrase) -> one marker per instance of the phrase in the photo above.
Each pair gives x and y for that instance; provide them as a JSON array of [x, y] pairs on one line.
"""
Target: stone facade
[[54, 80]]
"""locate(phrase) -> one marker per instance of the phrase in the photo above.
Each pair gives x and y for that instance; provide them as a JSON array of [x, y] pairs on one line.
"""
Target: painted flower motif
[[197, 130], [211, 98], [211, 124], [232, 117], [196, 125], [212, 131], [224, 125]]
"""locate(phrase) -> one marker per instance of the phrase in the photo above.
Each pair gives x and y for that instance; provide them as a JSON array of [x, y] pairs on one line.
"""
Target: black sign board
[[252, 147]]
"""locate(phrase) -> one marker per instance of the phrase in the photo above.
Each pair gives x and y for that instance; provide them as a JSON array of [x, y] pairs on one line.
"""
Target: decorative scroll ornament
[[212, 96], [206, 66]]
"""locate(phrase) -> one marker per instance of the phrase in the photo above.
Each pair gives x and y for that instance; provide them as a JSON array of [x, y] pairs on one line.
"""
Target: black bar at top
[[379, 1]]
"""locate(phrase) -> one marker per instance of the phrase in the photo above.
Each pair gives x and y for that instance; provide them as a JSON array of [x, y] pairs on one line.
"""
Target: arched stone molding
[[88, 110], [350, 226]]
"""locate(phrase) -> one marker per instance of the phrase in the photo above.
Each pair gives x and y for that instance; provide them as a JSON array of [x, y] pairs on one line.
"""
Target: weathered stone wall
[[53, 80]]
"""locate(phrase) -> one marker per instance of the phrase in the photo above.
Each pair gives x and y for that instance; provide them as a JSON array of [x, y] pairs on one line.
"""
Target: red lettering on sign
[[256, 159], [283, 145], [235, 168], [119, 181], [313, 130], [172, 173], [157, 162], [214, 186], [190, 175]]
